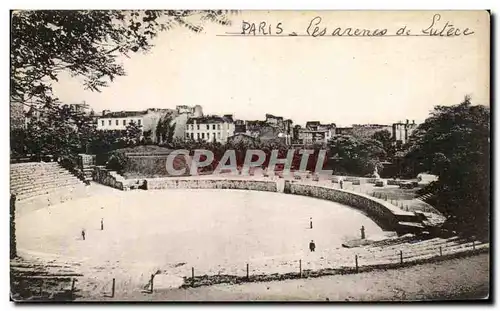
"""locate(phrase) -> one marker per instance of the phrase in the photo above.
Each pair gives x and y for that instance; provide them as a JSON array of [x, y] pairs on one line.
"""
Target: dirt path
[[464, 278]]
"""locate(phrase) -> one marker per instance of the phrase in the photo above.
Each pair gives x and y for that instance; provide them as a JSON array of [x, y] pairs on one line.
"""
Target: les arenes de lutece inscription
[[436, 27]]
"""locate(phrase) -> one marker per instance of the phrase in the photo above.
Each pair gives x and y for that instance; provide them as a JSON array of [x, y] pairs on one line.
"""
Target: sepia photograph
[[250, 155]]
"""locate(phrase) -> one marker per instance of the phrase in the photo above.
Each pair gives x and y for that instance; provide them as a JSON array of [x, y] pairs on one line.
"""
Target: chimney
[[104, 112]]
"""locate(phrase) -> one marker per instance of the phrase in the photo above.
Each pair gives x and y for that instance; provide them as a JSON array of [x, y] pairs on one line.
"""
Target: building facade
[[210, 128], [148, 120], [313, 133], [401, 132], [273, 127], [119, 120]]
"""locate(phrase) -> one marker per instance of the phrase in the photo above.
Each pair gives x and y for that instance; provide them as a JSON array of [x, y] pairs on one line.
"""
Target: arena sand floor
[[215, 231]]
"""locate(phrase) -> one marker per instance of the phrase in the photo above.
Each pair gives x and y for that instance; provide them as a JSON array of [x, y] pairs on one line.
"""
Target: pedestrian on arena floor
[[310, 223], [312, 246], [102, 224], [363, 232], [83, 234]]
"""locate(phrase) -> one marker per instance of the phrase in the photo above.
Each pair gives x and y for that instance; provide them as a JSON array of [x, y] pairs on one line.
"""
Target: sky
[[342, 80]]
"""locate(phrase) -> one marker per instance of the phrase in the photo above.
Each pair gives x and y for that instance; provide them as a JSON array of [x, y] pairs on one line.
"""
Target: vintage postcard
[[224, 155]]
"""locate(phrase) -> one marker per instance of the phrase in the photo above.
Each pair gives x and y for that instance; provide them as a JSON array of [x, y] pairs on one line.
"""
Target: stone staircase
[[28, 180], [416, 250], [35, 280]]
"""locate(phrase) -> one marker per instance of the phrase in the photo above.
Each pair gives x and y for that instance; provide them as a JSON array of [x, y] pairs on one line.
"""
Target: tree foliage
[[165, 130], [61, 133], [45, 43], [356, 156], [86, 44], [384, 137], [454, 144]]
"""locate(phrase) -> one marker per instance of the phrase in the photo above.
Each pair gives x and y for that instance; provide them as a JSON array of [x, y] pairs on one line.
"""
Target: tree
[[106, 141], [62, 132], [384, 137], [133, 133], [85, 44], [356, 156], [165, 130], [453, 143]]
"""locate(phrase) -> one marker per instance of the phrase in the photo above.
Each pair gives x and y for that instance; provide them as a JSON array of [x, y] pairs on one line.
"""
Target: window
[[203, 135], [197, 135], [116, 122], [102, 122], [187, 135], [139, 122], [124, 122], [208, 126], [109, 122], [218, 135], [192, 127], [192, 135], [208, 136], [198, 127], [218, 126], [213, 127]]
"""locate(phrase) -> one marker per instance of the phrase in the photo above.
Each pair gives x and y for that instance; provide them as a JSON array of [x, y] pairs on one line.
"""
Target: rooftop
[[124, 114], [211, 119]]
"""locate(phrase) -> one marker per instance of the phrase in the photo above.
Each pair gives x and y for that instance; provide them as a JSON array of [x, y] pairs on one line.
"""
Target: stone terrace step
[[41, 183], [38, 177], [409, 252], [47, 190], [411, 246], [46, 187]]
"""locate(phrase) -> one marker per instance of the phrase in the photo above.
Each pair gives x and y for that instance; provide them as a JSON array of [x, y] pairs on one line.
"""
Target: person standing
[[83, 234], [312, 246], [310, 223], [363, 232], [102, 224]]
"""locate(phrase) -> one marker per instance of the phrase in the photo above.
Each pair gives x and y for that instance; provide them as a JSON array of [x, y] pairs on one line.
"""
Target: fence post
[[41, 287], [73, 289], [113, 289], [152, 282], [192, 275], [440, 251], [300, 267], [356, 260], [401, 256], [248, 274]]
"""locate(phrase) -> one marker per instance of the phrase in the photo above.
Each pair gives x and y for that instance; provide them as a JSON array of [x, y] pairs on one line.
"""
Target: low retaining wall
[[177, 183], [111, 178], [386, 215], [357, 180], [366, 180]]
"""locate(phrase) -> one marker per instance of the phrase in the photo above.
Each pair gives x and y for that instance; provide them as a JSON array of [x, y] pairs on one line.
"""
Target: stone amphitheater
[[48, 195]]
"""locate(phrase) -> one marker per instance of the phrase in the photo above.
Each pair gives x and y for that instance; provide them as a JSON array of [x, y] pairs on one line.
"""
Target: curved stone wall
[[179, 183], [386, 215]]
